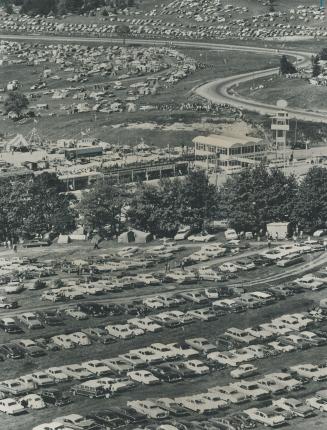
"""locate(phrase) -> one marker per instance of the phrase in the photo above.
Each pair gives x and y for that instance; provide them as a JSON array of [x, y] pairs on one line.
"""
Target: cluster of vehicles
[[205, 293]]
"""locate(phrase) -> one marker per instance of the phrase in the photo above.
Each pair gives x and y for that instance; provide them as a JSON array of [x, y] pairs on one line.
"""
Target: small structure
[[135, 236], [279, 230]]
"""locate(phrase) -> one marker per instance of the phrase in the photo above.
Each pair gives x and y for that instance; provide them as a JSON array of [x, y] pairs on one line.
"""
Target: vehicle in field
[[266, 416], [295, 406], [8, 325], [143, 377], [11, 406], [244, 371], [148, 408]]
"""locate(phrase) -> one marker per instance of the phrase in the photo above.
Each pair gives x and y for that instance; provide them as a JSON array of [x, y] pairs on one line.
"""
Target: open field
[[297, 92]]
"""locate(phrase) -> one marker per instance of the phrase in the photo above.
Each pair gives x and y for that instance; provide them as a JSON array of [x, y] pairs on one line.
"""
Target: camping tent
[[135, 236]]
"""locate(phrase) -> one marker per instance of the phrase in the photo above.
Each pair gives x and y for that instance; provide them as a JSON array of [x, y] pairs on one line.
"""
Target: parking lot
[[168, 297]]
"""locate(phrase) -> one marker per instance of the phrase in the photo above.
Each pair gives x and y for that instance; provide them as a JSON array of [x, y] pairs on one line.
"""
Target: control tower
[[280, 126]]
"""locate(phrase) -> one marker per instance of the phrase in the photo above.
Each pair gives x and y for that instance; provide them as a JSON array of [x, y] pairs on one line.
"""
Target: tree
[[162, 209], [316, 69], [16, 102], [123, 30], [286, 67], [34, 206], [257, 196], [101, 206], [310, 210]]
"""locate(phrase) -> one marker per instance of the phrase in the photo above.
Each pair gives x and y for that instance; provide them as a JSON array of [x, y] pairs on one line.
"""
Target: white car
[[76, 314], [252, 390], [76, 371], [225, 357], [228, 267], [11, 406], [64, 341], [32, 401], [57, 374], [14, 288], [145, 324], [121, 331], [148, 408], [229, 394], [148, 355], [266, 416], [295, 406], [80, 338], [197, 366], [204, 314], [310, 371], [183, 233], [133, 359], [153, 303], [42, 379], [201, 237], [310, 282], [165, 351], [184, 350], [196, 404], [230, 234], [144, 377], [147, 279], [286, 380], [55, 425], [244, 371], [317, 403], [280, 347], [97, 367], [76, 421]]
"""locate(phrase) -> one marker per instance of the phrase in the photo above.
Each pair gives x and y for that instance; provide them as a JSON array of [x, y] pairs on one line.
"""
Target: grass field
[[298, 92]]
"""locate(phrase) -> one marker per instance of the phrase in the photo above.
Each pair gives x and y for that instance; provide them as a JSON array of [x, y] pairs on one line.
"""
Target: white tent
[[17, 143]]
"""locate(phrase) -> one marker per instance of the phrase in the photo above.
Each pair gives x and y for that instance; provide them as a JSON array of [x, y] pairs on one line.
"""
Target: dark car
[[9, 326], [109, 419], [226, 343], [260, 260], [130, 415], [50, 318], [96, 310], [11, 351], [280, 291], [166, 373], [55, 398]]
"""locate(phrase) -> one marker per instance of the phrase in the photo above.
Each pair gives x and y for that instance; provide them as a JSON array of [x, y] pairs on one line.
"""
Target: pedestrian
[[269, 243], [96, 246]]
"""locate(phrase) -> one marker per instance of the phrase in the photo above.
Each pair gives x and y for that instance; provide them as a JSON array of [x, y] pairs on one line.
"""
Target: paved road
[[216, 91]]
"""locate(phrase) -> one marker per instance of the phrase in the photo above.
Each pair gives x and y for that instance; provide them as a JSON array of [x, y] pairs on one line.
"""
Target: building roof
[[226, 141]]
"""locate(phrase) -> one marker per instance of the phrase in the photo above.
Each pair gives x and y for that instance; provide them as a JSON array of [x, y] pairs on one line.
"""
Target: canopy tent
[[17, 143]]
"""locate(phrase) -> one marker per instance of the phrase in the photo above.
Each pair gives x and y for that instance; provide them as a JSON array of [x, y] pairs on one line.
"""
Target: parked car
[[148, 408], [295, 406], [9, 325], [244, 371], [11, 406], [266, 416], [55, 397]]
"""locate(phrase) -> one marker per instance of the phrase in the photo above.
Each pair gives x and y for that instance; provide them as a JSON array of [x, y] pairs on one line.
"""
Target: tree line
[[249, 200]]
